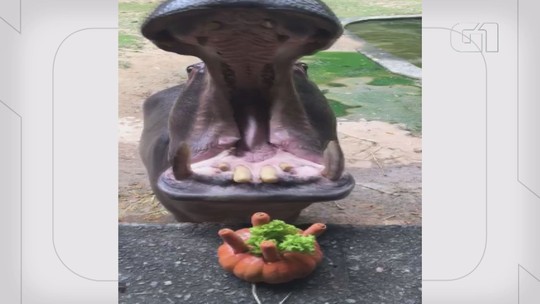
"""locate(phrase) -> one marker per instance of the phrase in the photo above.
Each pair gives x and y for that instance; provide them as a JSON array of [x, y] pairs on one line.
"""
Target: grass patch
[[141, 7], [127, 41], [359, 88], [339, 108], [131, 17], [365, 8], [132, 14], [327, 67], [391, 80]]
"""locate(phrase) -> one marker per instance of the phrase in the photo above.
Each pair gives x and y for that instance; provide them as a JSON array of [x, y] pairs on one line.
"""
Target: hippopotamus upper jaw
[[175, 20]]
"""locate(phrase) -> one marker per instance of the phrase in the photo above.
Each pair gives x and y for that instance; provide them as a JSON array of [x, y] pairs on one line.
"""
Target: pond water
[[400, 37], [358, 88]]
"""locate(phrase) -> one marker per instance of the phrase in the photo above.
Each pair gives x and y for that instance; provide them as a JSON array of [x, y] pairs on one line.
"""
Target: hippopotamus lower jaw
[[282, 177], [225, 190]]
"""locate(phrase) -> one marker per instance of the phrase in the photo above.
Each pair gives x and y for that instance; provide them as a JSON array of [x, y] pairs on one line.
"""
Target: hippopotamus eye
[[303, 66], [189, 69]]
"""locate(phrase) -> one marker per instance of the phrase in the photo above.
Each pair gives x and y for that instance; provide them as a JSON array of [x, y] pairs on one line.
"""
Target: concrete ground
[[177, 263]]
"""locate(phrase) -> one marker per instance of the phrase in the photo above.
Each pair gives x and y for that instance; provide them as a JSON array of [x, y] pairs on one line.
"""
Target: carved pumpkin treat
[[270, 251]]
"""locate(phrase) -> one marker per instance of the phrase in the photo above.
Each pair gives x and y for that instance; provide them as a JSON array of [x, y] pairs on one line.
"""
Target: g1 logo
[[475, 37]]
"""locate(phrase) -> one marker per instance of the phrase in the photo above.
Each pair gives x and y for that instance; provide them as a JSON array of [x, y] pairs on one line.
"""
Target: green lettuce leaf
[[285, 236], [298, 243]]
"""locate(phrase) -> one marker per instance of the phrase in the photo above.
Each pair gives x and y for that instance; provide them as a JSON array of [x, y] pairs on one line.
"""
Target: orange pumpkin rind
[[233, 240], [273, 267], [260, 218]]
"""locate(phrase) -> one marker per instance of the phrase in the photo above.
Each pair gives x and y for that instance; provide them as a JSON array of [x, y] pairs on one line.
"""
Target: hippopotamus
[[248, 131]]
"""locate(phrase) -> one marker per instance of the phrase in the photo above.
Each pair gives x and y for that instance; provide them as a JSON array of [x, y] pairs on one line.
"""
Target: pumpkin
[[266, 261]]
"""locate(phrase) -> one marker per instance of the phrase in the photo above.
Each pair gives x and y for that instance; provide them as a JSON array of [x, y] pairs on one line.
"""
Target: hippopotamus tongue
[[255, 127]]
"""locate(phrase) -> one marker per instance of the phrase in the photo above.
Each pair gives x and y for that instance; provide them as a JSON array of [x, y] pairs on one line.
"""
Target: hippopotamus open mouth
[[248, 126]]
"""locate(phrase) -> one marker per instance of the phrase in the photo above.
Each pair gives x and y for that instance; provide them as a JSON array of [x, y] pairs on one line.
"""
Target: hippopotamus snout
[[248, 131]]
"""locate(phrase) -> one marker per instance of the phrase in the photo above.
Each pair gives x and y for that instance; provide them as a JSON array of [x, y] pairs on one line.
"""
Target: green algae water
[[358, 88], [399, 37]]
